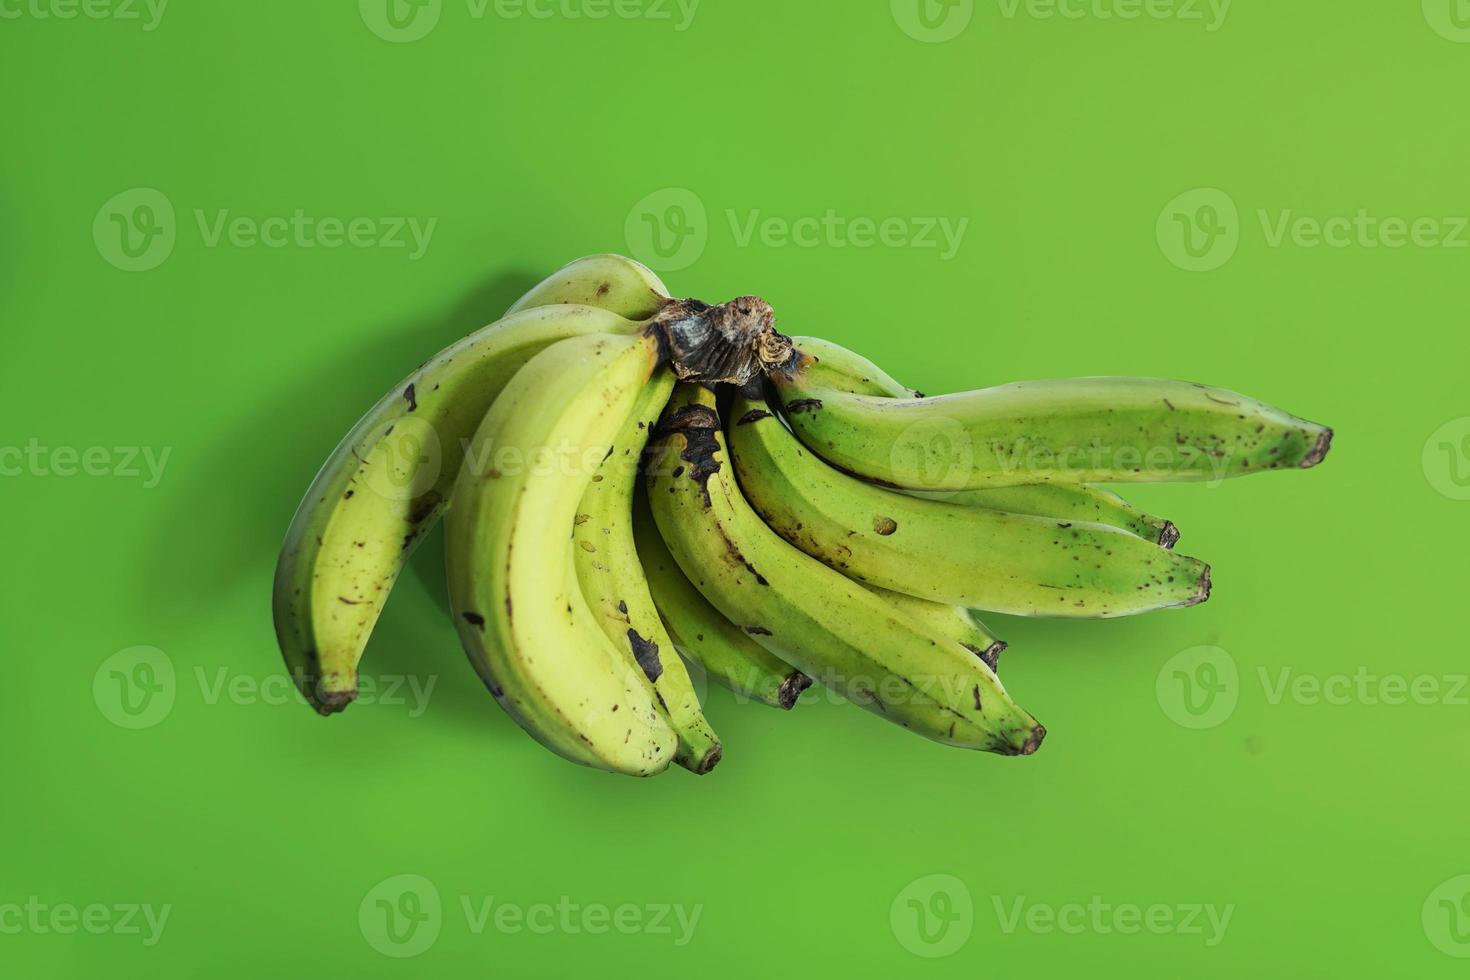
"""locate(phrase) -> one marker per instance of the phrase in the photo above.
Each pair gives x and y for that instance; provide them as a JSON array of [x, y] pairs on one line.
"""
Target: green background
[[1334, 832]]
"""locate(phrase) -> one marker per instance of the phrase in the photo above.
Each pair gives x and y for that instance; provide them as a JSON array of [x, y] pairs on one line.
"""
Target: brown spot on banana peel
[[884, 525], [410, 395], [698, 424], [799, 405], [474, 619], [754, 415], [646, 653]]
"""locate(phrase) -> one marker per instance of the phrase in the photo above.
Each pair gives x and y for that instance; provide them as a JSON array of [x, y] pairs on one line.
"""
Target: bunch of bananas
[[634, 478]]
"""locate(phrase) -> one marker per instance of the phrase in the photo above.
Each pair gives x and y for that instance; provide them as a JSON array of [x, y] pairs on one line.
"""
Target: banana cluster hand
[[641, 484]]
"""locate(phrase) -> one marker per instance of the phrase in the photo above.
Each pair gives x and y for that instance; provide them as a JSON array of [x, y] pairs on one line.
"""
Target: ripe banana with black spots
[[1082, 430], [385, 485], [611, 282], [702, 633], [963, 556], [615, 586], [513, 588], [834, 366], [832, 628]]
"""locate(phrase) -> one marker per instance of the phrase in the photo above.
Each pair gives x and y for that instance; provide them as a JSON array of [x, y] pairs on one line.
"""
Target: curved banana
[[833, 366], [809, 615], [385, 485], [703, 634], [956, 622], [962, 556], [613, 581], [1083, 430], [610, 282], [512, 584]]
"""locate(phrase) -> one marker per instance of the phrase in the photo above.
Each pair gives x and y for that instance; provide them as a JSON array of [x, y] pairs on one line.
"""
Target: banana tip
[[791, 689], [991, 656], [709, 760], [1033, 741], [328, 703], [1168, 535], [1205, 585], [1319, 451]]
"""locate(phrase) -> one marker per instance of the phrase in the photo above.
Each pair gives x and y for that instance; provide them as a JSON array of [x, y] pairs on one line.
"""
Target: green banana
[[610, 282], [385, 485], [616, 588], [513, 587], [833, 366], [964, 556], [1083, 430], [956, 622], [830, 627], [702, 633]]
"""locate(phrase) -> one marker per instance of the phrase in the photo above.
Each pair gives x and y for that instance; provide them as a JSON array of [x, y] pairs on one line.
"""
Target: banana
[[703, 634], [833, 366], [956, 622], [616, 588], [1083, 430], [610, 282], [512, 581], [385, 485], [830, 627], [961, 556]]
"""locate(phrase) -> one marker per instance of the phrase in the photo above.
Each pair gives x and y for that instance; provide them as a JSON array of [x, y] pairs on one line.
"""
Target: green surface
[[1328, 826]]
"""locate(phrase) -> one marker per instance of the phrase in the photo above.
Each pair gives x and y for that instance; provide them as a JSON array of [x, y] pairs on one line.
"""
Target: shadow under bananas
[[221, 519]]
